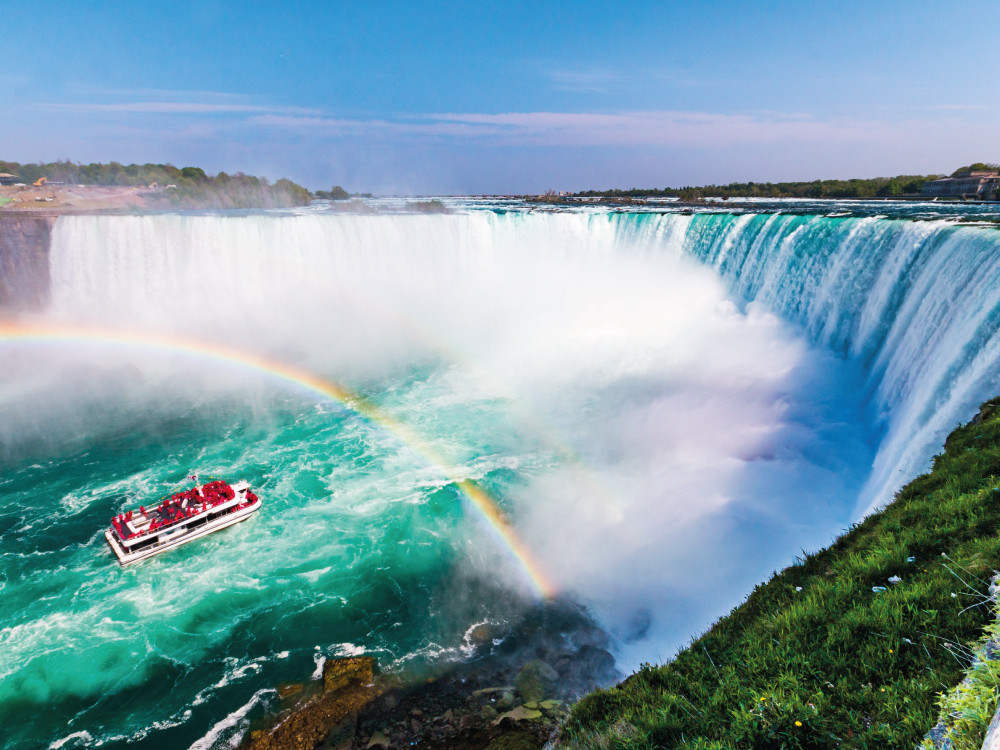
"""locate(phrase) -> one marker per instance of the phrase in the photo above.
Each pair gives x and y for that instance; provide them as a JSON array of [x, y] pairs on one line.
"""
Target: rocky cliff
[[24, 261]]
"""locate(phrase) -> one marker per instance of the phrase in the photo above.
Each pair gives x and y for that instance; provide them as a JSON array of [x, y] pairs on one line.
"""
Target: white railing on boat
[[141, 543]]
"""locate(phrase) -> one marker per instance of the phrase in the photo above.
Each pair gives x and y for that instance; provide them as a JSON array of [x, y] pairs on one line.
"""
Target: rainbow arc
[[479, 499]]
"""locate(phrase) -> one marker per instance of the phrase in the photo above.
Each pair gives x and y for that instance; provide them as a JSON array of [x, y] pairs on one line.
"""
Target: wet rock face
[[339, 673], [329, 719], [511, 695], [535, 680], [24, 262]]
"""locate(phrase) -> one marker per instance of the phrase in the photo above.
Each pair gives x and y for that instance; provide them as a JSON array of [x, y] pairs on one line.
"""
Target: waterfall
[[916, 303], [653, 368]]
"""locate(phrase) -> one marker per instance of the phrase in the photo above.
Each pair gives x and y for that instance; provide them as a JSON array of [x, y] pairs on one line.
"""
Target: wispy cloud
[[181, 107], [156, 94], [171, 102], [653, 128]]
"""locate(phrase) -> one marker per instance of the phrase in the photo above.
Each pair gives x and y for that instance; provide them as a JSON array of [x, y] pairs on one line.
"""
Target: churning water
[[665, 406]]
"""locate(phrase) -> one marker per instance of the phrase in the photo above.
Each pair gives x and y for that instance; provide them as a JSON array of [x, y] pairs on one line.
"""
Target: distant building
[[964, 185], [6, 178]]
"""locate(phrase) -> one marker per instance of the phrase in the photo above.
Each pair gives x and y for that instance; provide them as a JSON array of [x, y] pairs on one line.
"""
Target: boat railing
[[188, 516]]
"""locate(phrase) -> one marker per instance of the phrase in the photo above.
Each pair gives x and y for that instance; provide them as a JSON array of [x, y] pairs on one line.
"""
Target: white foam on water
[[83, 736], [319, 660], [231, 723]]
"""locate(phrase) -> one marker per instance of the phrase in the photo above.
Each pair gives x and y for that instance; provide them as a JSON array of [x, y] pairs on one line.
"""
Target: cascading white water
[[677, 443], [668, 406], [916, 303], [535, 304]]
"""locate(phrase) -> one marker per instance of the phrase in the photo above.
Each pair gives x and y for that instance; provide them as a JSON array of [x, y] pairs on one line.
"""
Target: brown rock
[[330, 716], [288, 689], [481, 633], [519, 714], [338, 673]]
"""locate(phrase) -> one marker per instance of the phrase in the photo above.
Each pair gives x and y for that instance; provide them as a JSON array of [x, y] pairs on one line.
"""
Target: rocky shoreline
[[511, 695]]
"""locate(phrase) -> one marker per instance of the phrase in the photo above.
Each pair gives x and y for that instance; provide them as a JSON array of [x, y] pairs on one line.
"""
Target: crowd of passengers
[[181, 505]]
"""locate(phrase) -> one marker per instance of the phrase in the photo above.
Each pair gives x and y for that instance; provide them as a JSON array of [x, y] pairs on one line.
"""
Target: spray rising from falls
[[916, 304], [661, 434]]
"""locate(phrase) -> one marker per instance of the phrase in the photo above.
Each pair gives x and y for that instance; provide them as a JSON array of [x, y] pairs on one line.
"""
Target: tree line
[[876, 187], [190, 187]]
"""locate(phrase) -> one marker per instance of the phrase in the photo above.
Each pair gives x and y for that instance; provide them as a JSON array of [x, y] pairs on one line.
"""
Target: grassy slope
[[835, 665]]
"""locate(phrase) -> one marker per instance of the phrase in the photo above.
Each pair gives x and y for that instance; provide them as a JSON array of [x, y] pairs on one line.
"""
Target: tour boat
[[179, 519]]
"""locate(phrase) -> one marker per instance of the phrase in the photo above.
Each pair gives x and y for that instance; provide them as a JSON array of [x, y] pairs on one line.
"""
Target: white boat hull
[[172, 540]]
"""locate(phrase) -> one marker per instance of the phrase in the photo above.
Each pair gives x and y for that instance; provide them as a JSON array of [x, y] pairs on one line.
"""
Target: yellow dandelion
[[890, 650], [798, 723]]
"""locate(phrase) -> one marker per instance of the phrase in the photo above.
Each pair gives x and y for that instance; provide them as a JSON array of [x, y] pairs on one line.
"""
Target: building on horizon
[[971, 184], [6, 178]]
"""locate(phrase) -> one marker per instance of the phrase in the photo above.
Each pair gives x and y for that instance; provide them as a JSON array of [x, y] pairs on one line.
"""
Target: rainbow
[[485, 505]]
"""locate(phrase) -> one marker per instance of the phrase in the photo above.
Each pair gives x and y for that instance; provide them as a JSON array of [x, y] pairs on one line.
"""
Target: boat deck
[[184, 516]]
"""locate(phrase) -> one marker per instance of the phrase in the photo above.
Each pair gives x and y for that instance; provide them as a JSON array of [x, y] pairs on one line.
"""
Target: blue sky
[[505, 97]]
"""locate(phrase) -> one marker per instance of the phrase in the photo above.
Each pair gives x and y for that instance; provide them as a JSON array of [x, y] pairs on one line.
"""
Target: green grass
[[5, 200], [966, 711], [836, 664]]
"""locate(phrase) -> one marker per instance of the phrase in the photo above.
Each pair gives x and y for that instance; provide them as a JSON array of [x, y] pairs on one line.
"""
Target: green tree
[[195, 174]]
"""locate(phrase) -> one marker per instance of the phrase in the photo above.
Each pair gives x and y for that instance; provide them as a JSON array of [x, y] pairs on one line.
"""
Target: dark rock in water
[[551, 656], [327, 720], [288, 689], [338, 673], [534, 680], [482, 633]]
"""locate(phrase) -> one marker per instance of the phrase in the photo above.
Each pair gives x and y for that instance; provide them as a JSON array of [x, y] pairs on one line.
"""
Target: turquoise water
[[359, 545], [666, 406]]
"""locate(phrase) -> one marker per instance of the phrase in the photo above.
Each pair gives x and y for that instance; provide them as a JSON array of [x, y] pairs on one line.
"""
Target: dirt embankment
[[59, 199]]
